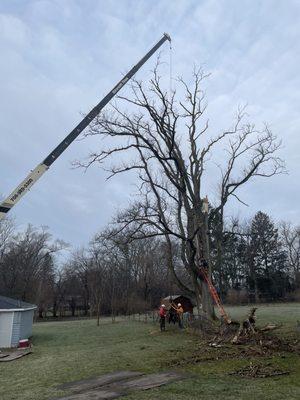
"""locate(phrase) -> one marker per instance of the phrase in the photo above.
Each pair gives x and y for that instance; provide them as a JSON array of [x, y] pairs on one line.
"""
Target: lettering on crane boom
[[21, 189], [121, 84]]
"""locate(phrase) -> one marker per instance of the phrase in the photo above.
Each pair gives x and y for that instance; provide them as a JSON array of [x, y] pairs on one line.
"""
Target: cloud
[[60, 57]]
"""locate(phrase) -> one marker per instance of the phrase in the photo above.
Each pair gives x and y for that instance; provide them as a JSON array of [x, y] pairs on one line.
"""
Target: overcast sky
[[59, 57]]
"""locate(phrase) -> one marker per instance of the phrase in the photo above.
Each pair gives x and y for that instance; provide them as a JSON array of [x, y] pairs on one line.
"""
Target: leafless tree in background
[[290, 236], [27, 269], [6, 232], [136, 269]]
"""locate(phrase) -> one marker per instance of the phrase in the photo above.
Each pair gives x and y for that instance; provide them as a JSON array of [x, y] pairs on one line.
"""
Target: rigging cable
[[170, 72]]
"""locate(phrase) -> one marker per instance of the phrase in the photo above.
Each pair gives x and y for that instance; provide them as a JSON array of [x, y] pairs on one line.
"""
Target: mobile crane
[[37, 172], [40, 169]]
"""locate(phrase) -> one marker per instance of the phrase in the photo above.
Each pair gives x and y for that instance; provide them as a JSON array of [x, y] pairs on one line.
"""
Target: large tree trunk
[[218, 264], [207, 301], [98, 313], [198, 293], [252, 284], [54, 308]]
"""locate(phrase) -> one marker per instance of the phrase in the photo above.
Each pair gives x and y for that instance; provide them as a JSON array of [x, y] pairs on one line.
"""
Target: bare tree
[[59, 293], [79, 267], [27, 266], [97, 279], [6, 232], [166, 141], [137, 276], [290, 236]]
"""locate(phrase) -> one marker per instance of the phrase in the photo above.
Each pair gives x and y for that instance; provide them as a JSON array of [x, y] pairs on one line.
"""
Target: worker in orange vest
[[179, 311]]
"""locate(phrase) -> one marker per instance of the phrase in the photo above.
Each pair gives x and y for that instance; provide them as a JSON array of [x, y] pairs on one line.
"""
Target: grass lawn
[[67, 351]]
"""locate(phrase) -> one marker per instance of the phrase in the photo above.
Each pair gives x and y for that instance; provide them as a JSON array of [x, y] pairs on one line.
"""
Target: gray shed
[[16, 318]]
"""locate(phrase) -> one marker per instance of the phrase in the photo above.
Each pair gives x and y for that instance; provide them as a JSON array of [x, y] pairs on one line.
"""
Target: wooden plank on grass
[[150, 381], [119, 384], [15, 355], [93, 395], [89, 384]]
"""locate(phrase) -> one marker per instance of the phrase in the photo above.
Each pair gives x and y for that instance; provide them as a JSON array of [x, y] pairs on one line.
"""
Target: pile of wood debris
[[247, 328], [238, 340], [246, 332]]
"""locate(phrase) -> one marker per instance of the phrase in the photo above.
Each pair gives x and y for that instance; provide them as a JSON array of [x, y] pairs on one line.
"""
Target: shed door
[[15, 335], [6, 323], [26, 324]]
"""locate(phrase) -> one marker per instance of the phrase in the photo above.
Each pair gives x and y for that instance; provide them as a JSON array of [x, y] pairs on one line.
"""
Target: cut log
[[269, 327], [246, 328]]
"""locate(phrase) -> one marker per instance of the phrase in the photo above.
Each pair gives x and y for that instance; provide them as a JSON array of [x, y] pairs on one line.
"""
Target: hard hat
[[179, 305], [163, 305]]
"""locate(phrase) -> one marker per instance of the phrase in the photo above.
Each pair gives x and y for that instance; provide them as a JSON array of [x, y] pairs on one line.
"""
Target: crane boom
[[35, 174]]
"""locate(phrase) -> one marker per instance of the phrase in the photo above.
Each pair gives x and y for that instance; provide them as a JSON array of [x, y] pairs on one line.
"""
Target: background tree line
[[259, 262], [114, 275]]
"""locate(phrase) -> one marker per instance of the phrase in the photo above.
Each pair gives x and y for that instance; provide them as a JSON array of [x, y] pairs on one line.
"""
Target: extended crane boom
[[35, 174]]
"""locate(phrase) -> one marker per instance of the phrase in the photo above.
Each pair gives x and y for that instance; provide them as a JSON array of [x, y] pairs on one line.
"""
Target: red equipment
[[214, 295], [24, 343]]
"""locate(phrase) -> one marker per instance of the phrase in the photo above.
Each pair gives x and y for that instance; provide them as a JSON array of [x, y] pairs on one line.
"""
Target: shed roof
[[173, 297], [7, 303]]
